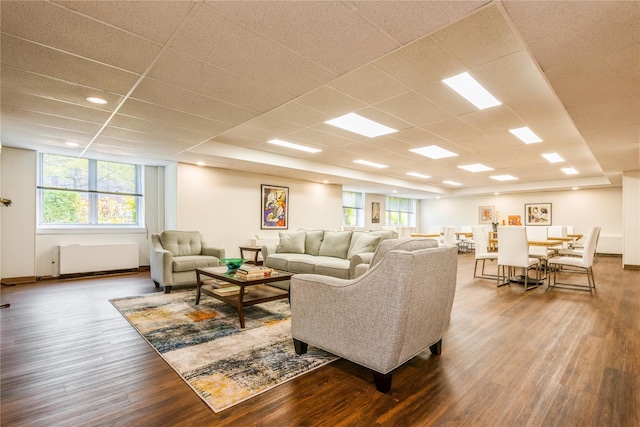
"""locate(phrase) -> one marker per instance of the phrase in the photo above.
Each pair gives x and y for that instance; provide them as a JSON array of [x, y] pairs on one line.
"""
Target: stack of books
[[253, 272], [228, 290]]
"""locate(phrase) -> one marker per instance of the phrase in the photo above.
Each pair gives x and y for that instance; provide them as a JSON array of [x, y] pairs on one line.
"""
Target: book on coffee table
[[228, 290]]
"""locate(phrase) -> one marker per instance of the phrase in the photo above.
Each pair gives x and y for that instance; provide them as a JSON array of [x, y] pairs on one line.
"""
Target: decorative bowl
[[232, 264]]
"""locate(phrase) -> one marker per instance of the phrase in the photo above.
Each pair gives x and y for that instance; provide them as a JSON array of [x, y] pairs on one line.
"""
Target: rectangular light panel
[[360, 125], [451, 183], [476, 167], [372, 164], [503, 177], [433, 152], [526, 135], [570, 171], [553, 157], [418, 175], [294, 146], [467, 87]]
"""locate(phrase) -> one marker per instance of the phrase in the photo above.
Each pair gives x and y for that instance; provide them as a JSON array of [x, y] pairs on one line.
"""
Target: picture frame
[[375, 212], [537, 214], [274, 207], [486, 214], [514, 220]]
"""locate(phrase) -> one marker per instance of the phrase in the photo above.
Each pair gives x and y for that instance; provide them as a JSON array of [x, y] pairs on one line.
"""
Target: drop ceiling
[[213, 81]]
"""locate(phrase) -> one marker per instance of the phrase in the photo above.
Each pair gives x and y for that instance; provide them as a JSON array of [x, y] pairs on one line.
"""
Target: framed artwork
[[514, 220], [486, 214], [537, 214], [375, 212], [275, 213]]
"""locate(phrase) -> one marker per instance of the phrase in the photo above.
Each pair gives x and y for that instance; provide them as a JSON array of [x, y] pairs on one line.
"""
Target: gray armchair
[[389, 245], [397, 309], [175, 255]]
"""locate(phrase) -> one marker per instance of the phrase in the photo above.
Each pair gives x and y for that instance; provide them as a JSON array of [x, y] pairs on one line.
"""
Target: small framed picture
[[375, 212], [514, 220], [537, 214], [275, 213], [486, 214]]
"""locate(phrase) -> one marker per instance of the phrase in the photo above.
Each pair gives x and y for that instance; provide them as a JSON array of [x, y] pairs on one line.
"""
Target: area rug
[[223, 364]]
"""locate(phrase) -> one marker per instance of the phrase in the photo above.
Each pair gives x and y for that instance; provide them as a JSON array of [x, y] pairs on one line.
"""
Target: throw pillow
[[291, 242], [313, 241], [335, 244], [366, 243]]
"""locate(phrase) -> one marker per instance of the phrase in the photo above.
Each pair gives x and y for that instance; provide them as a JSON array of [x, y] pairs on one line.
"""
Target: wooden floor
[[544, 358]]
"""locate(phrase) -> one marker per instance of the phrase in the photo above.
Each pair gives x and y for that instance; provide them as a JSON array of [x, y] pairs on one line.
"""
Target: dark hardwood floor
[[541, 358]]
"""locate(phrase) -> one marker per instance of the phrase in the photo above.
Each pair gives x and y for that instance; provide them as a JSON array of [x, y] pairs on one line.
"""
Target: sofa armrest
[[161, 272], [357, 259], [268, 249], [211, 251]]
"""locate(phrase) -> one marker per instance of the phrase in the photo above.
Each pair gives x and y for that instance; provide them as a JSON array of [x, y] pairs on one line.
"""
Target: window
[[401, 212], [352, 209], [84, 192]]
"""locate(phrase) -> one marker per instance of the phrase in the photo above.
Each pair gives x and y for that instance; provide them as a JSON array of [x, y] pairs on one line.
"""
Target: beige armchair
[[175, 255], [397, 309], [392, 244]]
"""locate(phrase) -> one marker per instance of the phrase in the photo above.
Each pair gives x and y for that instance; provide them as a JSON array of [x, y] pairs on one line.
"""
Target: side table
[[255, 249]]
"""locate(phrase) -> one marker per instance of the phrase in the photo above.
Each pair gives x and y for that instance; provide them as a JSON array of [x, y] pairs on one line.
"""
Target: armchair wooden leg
[[382, 381], [436, 349], [167, 289], [300, 347]]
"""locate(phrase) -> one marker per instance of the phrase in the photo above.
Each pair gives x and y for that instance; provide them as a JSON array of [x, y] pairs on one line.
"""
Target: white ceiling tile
[[369, 84], [414, 108]]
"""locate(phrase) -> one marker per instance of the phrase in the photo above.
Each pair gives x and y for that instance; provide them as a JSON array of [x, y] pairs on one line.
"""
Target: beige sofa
[[175, 255], [330, 253]]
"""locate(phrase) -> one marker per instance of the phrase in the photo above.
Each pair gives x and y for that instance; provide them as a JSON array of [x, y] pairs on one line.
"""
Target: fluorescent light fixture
[[294, 146], [553, 157], [200, 163], [476, 167], [526, 135], [418, 175], [575, 188], [503, 177], [96, 100], [570, 171], [71, 144], [451, 182], [467, 87], [368, 163], [433, 152], [360, 125], [496, 194]]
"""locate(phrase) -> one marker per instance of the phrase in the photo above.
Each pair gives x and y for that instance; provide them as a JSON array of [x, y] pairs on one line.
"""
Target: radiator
[[83, 259]]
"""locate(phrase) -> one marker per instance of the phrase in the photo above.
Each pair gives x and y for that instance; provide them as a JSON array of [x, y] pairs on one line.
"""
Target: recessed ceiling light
[[96, 100], [71, 144], [394, 191], [294, 146], [418, 175], [200, 163], [503, 177], [570, 171], [360, 125], [553, 157], [451, 182], [368, 163], [574, 188], [496, 194], [325, 181], [433, 152], [526, 135], [476, 167], [467, 87]]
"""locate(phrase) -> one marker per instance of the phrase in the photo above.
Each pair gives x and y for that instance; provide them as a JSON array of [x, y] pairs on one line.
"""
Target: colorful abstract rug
[[222, 363]]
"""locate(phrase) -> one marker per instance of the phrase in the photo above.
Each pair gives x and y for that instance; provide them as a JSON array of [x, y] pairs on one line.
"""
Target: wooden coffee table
[[252, 291]]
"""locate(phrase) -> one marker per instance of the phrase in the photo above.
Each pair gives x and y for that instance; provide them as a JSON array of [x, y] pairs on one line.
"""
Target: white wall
[[631, 218], [225, 205], [580, 208]]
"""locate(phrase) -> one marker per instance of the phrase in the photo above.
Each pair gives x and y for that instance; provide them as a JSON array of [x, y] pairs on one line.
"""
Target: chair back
[[536, 232], [514, 249], [557, 231], [480, 239], [433, 229], [411, 244], [590, 245], [449, 236]]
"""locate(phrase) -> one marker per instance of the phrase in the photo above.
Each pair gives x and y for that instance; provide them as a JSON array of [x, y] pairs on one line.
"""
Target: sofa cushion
[[191, 262], [291, 242], [181, 243], [335, 243], [331, 266], [289, 262], [365, 243], [312, 242]]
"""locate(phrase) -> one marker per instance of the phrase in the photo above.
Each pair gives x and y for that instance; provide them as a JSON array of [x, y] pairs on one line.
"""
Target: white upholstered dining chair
[[482, 252], [514, 254], [573, 264]]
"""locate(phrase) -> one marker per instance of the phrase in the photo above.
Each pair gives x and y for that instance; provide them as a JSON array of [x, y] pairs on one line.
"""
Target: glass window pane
[[115, 209], [65, 207], [65, 172], [116, 177]]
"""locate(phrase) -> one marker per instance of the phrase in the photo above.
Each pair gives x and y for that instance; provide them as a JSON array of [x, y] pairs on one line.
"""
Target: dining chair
[[514, 254], [579, 265], [450, 237], [541, 252], [467, 243], [482, 252]]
